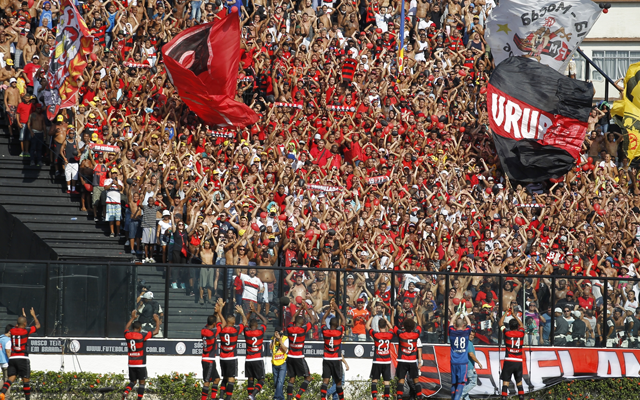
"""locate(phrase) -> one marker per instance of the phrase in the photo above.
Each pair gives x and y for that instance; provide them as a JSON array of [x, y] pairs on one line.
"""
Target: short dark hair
[[513, 324], [8, 328], [409, 324], [137, 325], [211, 319], [333, 323], [382, 323]]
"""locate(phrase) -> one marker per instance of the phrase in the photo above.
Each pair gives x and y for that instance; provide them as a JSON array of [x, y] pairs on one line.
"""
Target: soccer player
[[459, 330], [137, 357], [514, 339], [19, 358], [254, 363], [332, 337], [296, 364], [228, 335], [382, 357], [409, 354], [209, 371]]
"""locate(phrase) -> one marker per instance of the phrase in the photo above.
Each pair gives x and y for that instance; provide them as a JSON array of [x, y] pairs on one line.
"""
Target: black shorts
[[209, 371], [332, 369], [229, 368], [19, 367], [254, 369], [137, 374], [297, 367], [511, 368], [381, 369], [404, 367]]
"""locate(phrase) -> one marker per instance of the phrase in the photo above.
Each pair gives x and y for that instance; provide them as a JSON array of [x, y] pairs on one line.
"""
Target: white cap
[[148, 295], [558, 309], [166, 213], [12, 80], [317, 136]]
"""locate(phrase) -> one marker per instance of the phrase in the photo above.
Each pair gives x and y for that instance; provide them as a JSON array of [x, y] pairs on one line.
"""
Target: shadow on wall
[[17, 242]]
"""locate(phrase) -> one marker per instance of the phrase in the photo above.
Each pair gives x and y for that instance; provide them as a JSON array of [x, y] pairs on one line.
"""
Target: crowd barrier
[[96, 299]]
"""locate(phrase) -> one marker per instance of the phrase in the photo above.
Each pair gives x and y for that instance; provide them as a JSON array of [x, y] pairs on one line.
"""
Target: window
[[580, 66], [613, 62]]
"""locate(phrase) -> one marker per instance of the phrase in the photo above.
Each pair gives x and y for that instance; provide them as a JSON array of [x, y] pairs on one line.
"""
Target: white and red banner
[[341, 108], [130, 64], [376, 180], [542, 367], [221, 134], [290, 105], [323, 188], [109, 148]]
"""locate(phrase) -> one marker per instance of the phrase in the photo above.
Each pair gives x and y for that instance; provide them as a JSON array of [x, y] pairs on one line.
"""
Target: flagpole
[[401, 50]]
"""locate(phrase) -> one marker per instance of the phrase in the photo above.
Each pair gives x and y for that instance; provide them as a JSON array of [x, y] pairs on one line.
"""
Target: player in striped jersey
[[382, 357], [209, 371], [137, 357], [512, 366], [332, 336], [296, 364], [19, 358], [409, 354], [228, 334], [254, 362]]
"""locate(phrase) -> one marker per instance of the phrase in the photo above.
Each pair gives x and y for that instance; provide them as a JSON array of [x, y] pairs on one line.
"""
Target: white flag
[[548, 31]]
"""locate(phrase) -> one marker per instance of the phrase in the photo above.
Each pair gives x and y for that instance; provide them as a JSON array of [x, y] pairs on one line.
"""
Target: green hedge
[[85, 386], [603, 389]]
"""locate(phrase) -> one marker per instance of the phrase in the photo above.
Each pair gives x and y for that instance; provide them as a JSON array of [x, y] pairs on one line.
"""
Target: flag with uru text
[[538, 117]]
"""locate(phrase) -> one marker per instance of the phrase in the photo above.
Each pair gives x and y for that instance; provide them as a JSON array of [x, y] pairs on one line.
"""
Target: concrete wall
[[620, 22], [359, 369]]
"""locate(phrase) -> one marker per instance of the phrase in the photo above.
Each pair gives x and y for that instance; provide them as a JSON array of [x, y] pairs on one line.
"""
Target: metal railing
[[92, 299]]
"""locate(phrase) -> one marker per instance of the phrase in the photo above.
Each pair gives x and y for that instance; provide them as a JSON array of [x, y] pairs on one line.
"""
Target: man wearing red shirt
[[320, 154], [30, 70], [24, 111]]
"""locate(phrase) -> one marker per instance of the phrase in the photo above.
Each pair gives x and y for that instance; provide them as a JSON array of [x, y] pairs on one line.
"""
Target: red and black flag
[[349, 69], [203, 65], [538, 117]]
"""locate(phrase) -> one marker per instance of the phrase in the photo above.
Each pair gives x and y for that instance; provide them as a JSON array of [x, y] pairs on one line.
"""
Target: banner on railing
[[542, 367]]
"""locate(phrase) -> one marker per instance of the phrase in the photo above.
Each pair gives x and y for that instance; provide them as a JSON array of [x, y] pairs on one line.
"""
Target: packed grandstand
[[360, 159]]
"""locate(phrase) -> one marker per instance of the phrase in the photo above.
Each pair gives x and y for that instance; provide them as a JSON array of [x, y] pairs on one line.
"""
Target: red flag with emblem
[[203, 65]]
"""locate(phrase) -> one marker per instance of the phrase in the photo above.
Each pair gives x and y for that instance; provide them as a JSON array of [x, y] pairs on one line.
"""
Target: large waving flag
[[203, 65], [69, 57], [547, 31], [538, 117], [626, 112]]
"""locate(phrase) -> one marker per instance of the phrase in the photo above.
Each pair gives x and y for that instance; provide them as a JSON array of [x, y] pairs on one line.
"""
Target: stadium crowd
[[354, 164]]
